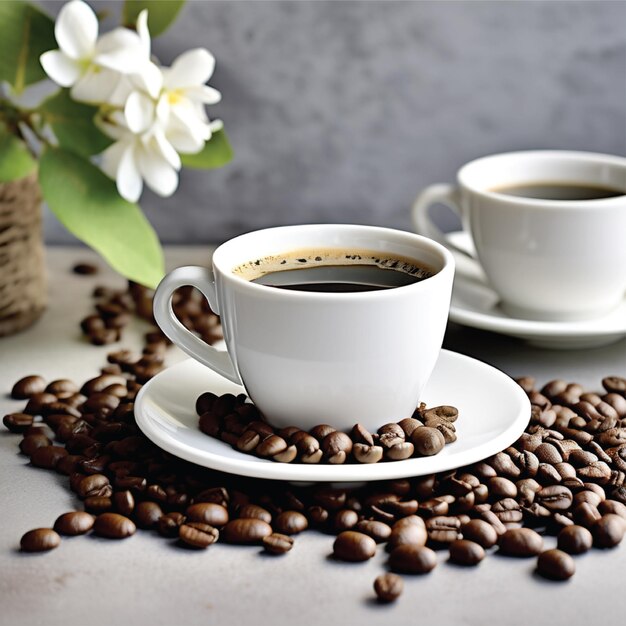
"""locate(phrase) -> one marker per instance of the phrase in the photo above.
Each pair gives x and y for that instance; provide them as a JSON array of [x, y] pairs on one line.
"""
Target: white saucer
[[475, 304], [493, 412]]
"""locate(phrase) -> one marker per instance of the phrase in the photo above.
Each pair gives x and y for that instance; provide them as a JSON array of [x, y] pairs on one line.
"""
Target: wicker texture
[[22, 270]]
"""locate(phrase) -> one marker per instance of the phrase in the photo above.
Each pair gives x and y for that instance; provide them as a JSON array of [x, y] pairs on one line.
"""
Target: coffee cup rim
[[465, 172], [226, 269]]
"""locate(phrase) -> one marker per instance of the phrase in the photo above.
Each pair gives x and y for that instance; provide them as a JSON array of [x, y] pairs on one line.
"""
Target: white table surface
[[144, 580]]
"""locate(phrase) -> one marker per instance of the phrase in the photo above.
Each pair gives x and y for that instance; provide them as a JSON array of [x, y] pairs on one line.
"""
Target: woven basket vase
[[22, 271]]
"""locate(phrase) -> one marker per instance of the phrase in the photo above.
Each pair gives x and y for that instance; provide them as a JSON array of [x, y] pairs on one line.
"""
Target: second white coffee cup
[[308, 358], [548, 259]]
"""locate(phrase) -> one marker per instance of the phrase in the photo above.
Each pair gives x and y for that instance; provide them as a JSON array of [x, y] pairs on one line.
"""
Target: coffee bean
[[443, 529], [608, 531], [336, 446], [388, 587], [277, 543], [113, 526], [47, 457], [574, 539], [147, 514], [17, 422], [40, 540], [427, 441], [555, 498], [354, 546], [98, 504], [208, 513], [408, 425], [74, 523], [124, 502], [520, 542], [246, 531], [364, 453], [407, 534], [28, 386], [465, 552], [612, 506], [288, 455], [400, 451], [448, 413], [318, 516], [480, 532], [37, 403], [30, 443], [198, 534], [502, 487], [555, 565], [378, 531], [253, 511], [94, 485], [412, 559], [271, 445], [290, 523], [345, 519], [615, 384], [586, 514], [507, 510], [169, 524]]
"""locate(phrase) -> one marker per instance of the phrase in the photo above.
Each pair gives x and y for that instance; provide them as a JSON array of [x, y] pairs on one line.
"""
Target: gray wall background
[[343, 111]]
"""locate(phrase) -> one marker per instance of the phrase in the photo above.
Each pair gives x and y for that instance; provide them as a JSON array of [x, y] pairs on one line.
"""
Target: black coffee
[[559, 191], [338, 278], [334, 271]]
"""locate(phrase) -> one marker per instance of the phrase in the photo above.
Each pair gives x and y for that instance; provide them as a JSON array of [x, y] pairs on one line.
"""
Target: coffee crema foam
[[316, 257]]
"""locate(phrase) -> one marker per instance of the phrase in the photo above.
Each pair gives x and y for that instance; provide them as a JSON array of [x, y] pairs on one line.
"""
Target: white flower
[[135, 157], [179, 103], [91, 66]]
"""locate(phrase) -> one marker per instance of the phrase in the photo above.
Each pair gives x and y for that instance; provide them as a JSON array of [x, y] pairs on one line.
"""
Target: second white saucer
[[475, 304], [493, 412]]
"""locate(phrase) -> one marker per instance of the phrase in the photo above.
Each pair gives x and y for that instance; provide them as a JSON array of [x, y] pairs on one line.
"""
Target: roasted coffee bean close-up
[[563, 478]]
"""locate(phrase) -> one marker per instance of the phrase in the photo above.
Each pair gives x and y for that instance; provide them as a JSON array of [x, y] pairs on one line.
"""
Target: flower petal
[[76, 30], [166, 149], [139, 112], [120, 50], [183, 141], [96, 85], [149, 79], [122, 90], [191, 68], [143, 31], [128, 178], [110, 159], [159, 175], [203, 93], [62, 69]]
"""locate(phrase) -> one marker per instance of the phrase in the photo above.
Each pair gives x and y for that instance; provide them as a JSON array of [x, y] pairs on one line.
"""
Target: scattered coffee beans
[[465, 552], [566, 475], [556, 565], [74, 523], [277, 543], [354, 546], [40, 540], [113, 526], [388, 587], [412, 559]]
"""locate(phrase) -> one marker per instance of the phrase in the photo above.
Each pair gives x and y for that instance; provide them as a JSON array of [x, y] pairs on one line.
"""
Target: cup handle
[[466, 260], [202, 279]]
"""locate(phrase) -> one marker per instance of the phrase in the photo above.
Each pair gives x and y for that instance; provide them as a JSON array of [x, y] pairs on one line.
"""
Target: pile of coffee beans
[[239, 423], [564, 477], [114, 309]]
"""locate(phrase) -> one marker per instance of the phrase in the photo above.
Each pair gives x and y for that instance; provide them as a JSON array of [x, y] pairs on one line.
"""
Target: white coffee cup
[[307, 358], [547, 259]]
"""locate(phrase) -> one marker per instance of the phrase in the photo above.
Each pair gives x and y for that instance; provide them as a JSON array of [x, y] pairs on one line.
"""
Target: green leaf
[[73, 124], [161, 13], [25, 34], [15, 159], [217, 152], [88, 205]]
